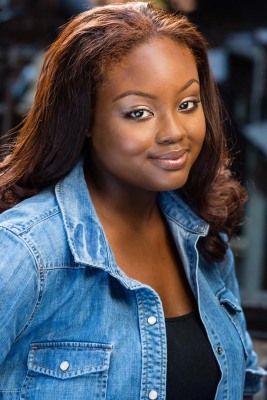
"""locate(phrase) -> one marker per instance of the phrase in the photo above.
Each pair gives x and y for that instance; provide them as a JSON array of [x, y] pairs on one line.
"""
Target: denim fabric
[[74, 326]]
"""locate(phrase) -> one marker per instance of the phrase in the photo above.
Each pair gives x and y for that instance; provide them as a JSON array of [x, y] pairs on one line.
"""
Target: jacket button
[[153, 395], [64, 365], [219, 350], [152, 320]]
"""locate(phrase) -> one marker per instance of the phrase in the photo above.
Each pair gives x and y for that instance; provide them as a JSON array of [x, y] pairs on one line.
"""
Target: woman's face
[[149, 124]]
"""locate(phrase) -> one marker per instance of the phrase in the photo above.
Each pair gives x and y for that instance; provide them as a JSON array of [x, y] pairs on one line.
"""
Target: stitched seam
[[186, 210], [186, 228], [25, 388], [101, 383], [72, 347], [41, 280], [161, 345], [65, 220], [22, 240], [38, 302], [39, 277], [146, 342], [69, 370], [59, 267], [193, 271], [40, 219]]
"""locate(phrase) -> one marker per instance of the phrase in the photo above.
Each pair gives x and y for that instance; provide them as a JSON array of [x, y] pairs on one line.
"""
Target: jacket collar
[[85, 234]]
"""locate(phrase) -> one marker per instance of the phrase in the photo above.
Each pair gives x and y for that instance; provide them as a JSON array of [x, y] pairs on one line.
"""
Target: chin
[[172, 185], [167, 187]]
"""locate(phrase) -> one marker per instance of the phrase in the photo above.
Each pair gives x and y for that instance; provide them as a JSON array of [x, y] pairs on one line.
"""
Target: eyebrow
[[187, 85], [133, 93], [150, 96]]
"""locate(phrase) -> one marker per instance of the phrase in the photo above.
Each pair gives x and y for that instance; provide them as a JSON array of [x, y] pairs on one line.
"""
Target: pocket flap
[[68, 359]]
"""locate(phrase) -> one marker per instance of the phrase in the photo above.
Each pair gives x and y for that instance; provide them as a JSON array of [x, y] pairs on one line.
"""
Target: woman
[[117, 281]]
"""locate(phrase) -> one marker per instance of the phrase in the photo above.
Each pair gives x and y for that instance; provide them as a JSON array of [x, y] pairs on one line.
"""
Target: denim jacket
[[74, 326]]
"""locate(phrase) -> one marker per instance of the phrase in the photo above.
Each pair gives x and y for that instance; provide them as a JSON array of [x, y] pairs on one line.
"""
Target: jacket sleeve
[[18, 288], [254, 373]]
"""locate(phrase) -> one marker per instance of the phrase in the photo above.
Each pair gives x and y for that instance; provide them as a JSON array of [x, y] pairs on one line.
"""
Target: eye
[[139, 114], [189, 105]]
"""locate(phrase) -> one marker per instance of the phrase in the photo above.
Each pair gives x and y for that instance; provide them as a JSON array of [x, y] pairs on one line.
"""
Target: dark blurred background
[[236, 31]]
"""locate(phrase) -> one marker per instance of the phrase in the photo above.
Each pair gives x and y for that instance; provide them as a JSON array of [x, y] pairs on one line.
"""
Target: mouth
[[171, 161]]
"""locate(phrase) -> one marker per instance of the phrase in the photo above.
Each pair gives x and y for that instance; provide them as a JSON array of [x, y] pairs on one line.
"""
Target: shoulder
[[36, 225], [30, 212], [19, 287]]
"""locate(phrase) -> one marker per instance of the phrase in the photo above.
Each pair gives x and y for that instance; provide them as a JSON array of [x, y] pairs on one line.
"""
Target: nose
[[170, 130]]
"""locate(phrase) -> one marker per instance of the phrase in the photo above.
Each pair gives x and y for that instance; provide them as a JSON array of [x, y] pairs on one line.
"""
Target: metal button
[[64, 365], [219, 350], [152, 320], [153, 395]]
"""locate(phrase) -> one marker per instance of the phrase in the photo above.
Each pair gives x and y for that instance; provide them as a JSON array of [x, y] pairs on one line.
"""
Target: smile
[[171, 161]]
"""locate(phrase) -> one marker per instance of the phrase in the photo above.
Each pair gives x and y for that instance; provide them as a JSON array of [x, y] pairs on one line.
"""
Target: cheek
[[127, 140], [197, 130], [202, 130]]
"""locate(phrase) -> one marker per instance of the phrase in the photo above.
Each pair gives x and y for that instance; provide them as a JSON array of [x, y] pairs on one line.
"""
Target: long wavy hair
[[53, 135]]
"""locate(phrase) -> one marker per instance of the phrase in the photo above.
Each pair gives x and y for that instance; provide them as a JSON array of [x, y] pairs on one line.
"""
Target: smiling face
[[149, 124]]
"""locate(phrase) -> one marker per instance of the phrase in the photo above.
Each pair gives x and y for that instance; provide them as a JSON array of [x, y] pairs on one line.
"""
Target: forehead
[[160, 60]]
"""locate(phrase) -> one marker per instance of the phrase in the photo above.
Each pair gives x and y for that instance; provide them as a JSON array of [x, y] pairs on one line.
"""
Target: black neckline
[[181, 317]]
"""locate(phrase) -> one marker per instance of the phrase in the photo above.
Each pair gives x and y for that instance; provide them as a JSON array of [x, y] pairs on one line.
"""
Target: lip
[[171, 160]]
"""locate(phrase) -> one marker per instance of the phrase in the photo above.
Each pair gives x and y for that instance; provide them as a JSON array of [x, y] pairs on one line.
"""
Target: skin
[[131, 130], [148, 131]]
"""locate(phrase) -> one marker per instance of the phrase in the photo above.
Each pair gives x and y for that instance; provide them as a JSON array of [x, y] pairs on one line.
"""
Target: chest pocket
[[234, 311], [67, 370]]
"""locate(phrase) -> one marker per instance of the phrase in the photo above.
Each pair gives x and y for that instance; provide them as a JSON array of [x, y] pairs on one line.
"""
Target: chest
[[107, 341], [155, 261]]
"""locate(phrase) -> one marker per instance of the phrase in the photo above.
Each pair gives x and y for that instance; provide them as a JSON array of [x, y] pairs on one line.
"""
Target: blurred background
[[236, 31]]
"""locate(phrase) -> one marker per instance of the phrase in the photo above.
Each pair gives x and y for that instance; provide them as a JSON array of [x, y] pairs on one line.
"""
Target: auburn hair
[[52, 137]]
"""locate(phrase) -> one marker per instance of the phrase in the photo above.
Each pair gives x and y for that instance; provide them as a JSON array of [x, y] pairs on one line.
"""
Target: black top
[[192, 370]]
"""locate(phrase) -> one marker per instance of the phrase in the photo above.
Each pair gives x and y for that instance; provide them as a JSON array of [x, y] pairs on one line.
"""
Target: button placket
[[153, 394], [153, 340]]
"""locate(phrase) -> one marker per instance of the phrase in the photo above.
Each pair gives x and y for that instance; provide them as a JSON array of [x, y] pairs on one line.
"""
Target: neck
[[122, 204]]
